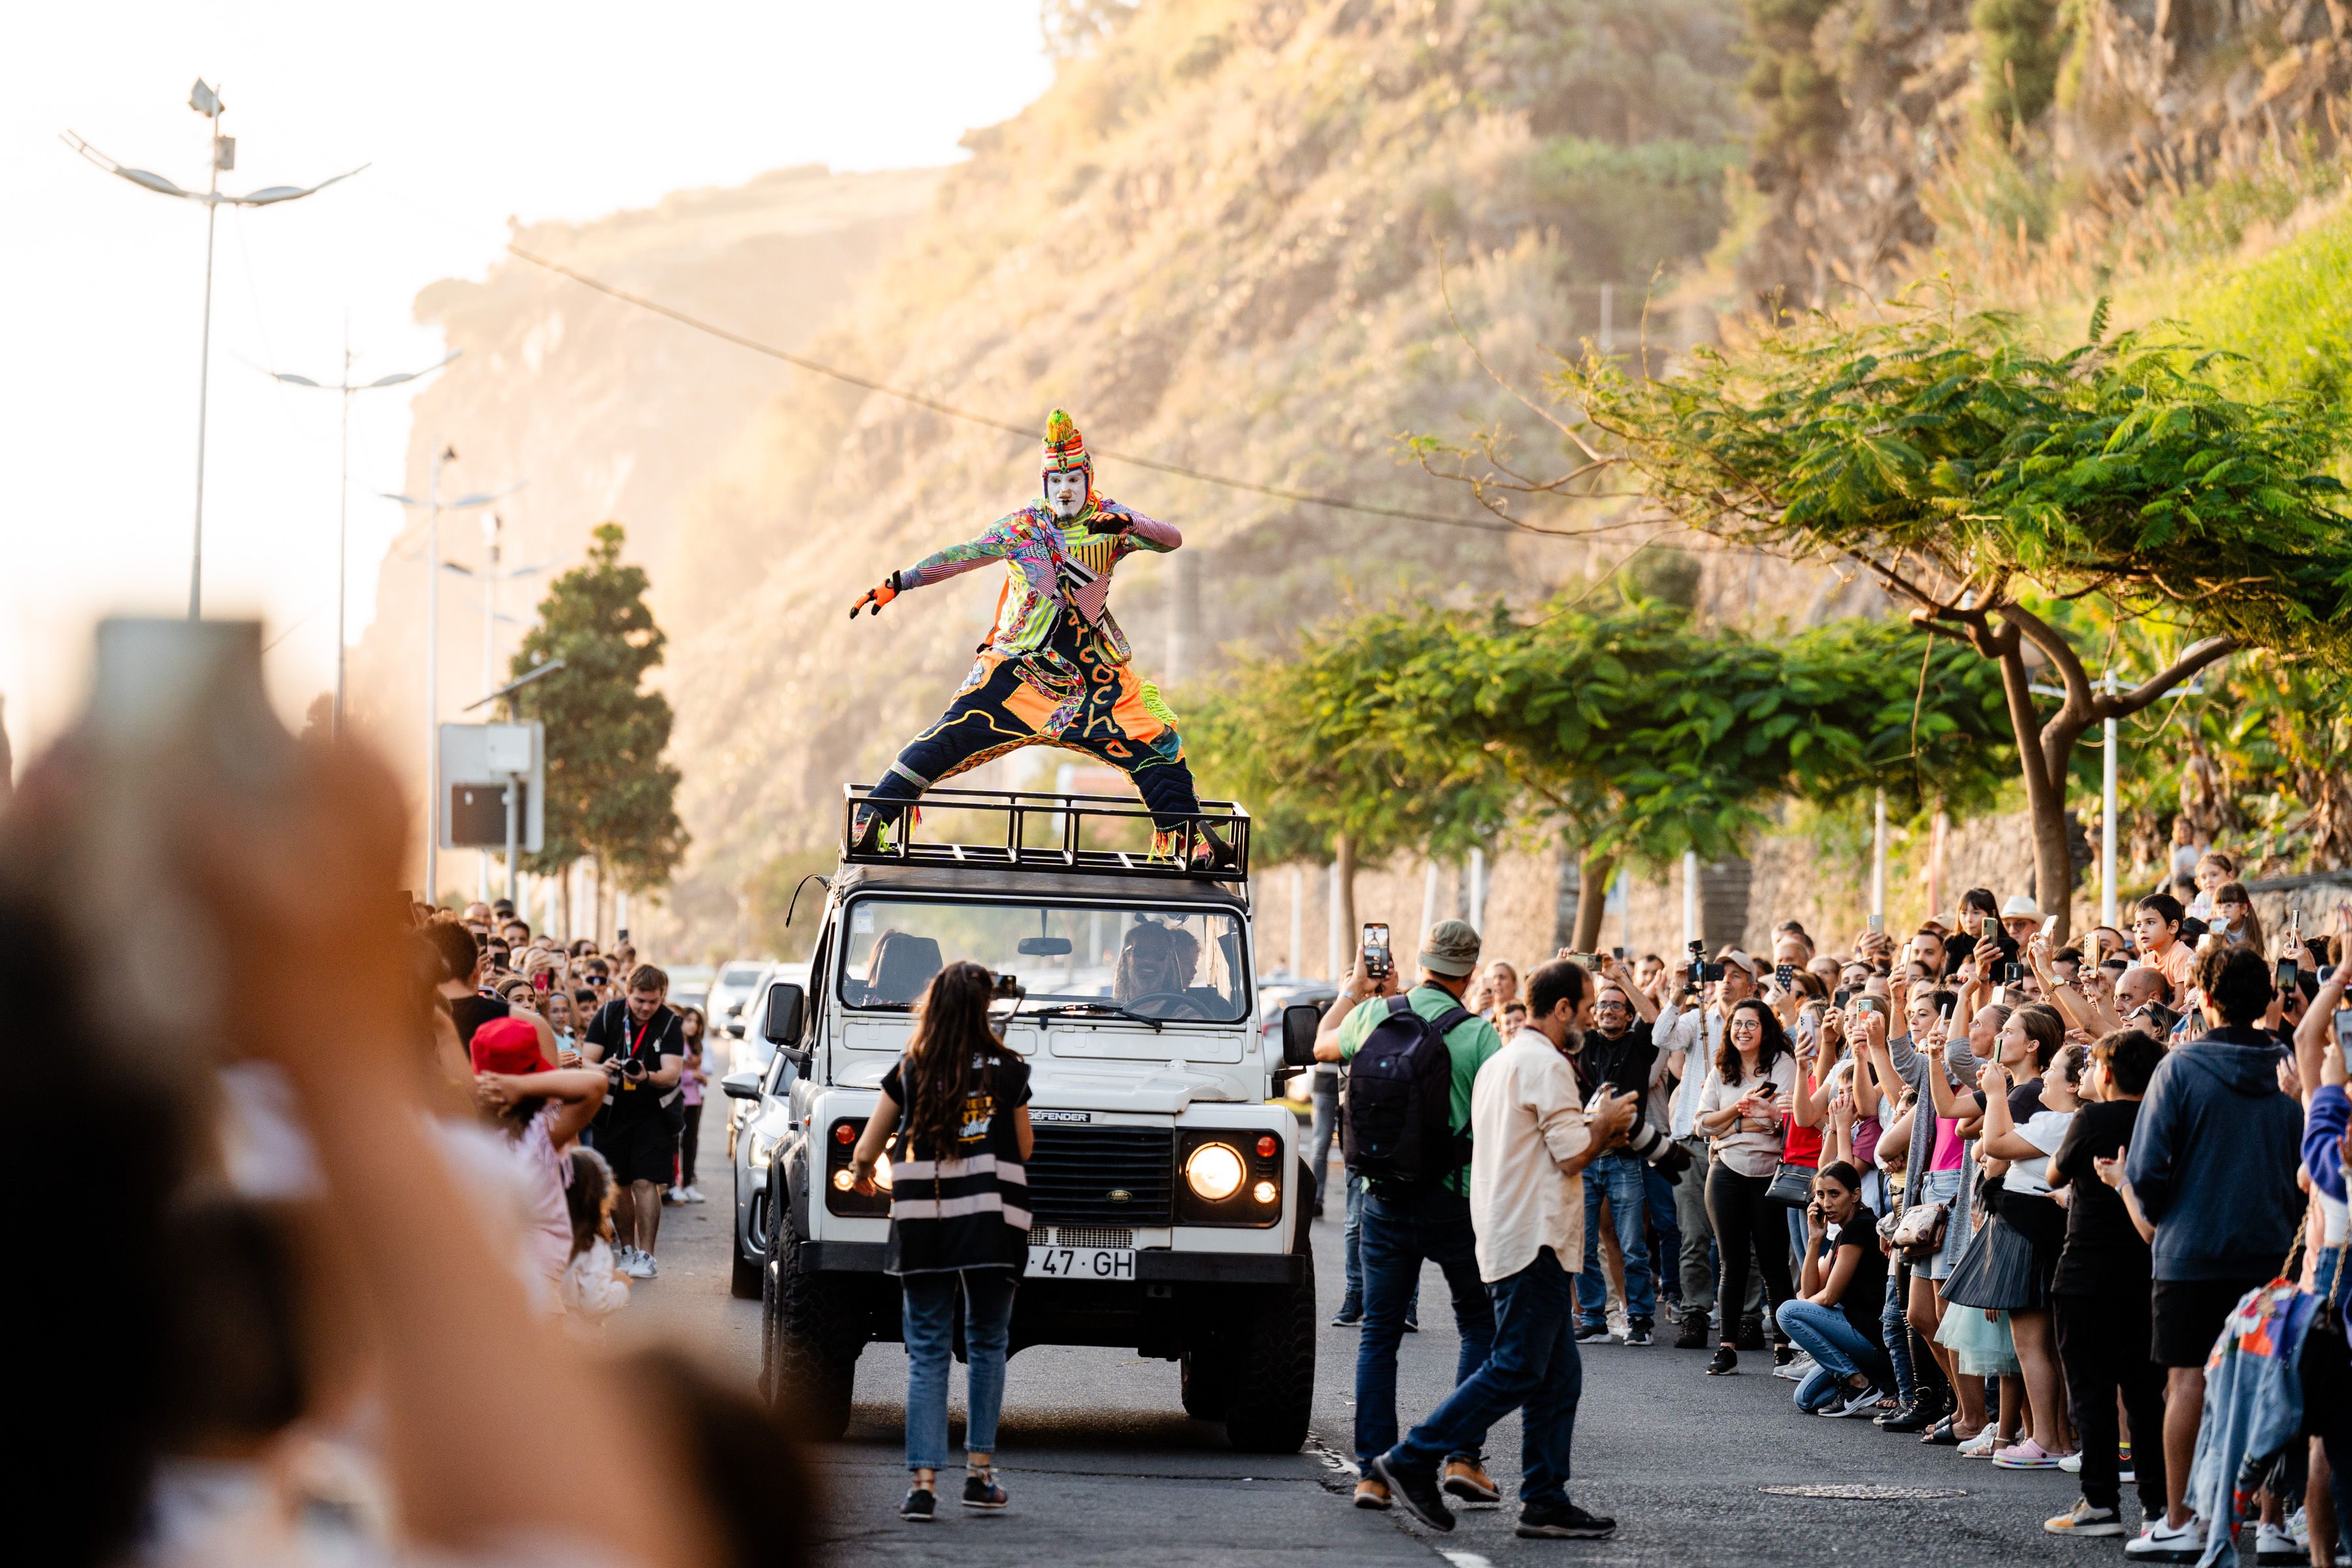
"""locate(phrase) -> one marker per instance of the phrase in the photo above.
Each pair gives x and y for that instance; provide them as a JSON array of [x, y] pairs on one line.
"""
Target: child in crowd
[[593, 1287]]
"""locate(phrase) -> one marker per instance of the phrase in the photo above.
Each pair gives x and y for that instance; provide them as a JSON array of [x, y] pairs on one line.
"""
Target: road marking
[[1866, 1493], [1466, 1559]]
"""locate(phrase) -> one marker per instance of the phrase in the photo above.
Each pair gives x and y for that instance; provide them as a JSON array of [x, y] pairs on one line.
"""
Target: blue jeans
[[1665, 1230], [929, 1321], [1618, 1178], [1895, 1324], [1351, 1246], [1534, 1366], [1319, 1139], [1401, 1231], [1823, 1334]]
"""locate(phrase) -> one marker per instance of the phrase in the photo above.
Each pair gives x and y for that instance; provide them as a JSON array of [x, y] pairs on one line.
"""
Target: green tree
[[1976, 477], [609, 792]]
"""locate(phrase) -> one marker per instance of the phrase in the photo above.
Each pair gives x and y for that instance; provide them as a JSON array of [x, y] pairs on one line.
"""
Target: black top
[[471, 1013], [1624, 1063], [970, 1210], [1864, 1296], [2104, 1252], [622, 1038]]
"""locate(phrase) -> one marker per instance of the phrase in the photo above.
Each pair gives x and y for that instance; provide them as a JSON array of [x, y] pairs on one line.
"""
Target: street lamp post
[[433, 506], [490, 576], [205, 100], [346, 387]]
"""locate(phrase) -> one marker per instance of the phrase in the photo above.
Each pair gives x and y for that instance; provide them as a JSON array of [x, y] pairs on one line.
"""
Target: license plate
[[1081, 1263]]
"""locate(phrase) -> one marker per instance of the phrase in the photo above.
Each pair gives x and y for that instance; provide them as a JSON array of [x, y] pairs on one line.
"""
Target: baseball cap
[[509, 1046], [1735, 955], [1450, 948]]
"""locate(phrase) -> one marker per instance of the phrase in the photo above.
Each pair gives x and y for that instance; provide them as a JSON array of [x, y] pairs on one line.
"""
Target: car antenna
[[820, 878]]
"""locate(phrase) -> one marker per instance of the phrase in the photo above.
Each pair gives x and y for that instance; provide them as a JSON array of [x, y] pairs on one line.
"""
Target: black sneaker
[[1640, 1332], [1783, 1354], [1351, 1314], [1588, 1333], [1694, 1336], [917, 1509], [1558, 1519], [1911, 1417], [1725, 1362], [1751, 1336], [1411, 1325], [1417, 1489], [980, 1490]]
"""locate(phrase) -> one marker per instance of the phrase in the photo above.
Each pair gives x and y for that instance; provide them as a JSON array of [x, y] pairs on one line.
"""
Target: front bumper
[[1153, 1266]]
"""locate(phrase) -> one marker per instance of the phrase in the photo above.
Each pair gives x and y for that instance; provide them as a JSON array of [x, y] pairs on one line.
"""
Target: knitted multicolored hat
[[1065, 447]]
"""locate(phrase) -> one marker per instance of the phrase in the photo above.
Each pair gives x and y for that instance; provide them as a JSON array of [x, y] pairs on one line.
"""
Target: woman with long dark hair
[[958, 1102], [1749, 1092]]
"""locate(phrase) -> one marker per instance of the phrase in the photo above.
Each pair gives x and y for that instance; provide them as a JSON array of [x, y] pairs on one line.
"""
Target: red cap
[[509, 1046]]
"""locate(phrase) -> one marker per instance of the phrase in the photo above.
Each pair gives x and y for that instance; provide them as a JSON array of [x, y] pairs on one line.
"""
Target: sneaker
[[1640, 1332], [1725, 1362], [980, 1490], [1417, 1489], [1462, 1480], [1856, 1403], [1789, 1355], [1350, 1315], [1588, 1333], [1751, 1336], [1796, 1369], [1411, 1323], [920, 1505], [2274, 1544], [1558, 1519], [1911, 1417], [2085, 1519], [1694, 1336], [648, 1268], [2026, 1456], [637, 1266], [2160, 1542], [2071, 1463], [1373, 1493], [673, 1195], [694, 1195]]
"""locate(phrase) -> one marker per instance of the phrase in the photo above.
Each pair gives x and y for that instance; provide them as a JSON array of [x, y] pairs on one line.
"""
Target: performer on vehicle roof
[[1055, 668]]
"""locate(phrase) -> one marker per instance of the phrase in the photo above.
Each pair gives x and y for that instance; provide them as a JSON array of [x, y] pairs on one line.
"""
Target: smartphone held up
[[1379, 961]]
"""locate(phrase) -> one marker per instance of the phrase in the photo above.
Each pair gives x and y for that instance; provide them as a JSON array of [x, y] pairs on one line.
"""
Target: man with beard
[[1054, 670]]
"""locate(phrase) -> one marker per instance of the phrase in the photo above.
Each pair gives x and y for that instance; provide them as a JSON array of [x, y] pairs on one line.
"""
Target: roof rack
[[1064, 817]]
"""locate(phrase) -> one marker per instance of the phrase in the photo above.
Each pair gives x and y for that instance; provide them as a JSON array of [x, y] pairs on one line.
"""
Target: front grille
[[1073, 1170], [1082, 1236]]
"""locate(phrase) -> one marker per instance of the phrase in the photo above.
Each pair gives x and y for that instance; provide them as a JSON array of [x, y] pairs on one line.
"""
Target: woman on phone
[[1836, 1320], [1749, 1090], [959, 1219]]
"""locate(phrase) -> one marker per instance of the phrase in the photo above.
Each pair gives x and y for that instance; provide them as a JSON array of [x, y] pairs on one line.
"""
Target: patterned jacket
[[1048, 563]]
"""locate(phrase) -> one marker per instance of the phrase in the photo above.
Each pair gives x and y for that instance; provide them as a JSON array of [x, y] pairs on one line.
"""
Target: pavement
[[1103, 1463]]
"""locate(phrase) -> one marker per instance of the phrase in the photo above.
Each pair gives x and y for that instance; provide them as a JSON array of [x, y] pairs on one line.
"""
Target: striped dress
[[967, 1208]]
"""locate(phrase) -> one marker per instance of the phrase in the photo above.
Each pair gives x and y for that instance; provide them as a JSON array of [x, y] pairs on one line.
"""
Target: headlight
[[1215, 1171], [762, 1151], [1265, 1192]]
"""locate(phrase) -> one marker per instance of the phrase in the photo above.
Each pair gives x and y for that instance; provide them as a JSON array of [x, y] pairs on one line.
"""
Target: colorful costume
[[1054, 670]]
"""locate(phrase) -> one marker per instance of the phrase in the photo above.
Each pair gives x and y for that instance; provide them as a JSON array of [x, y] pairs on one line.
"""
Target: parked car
[[737, 982]]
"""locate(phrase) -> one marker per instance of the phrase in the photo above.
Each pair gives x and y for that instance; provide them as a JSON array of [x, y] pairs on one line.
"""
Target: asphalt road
[[1103, 1464]]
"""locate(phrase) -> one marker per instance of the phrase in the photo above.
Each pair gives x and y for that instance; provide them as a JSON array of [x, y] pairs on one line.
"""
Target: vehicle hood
[[1061, 1084]]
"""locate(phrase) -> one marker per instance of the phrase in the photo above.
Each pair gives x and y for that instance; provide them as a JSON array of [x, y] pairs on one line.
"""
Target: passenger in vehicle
[[897, 970]]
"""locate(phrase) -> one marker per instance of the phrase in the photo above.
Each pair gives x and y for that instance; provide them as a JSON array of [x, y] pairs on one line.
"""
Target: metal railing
[[1061, 821]]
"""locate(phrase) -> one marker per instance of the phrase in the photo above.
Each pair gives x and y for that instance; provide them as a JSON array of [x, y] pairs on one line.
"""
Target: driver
[[1150, 968], [1054, 667]]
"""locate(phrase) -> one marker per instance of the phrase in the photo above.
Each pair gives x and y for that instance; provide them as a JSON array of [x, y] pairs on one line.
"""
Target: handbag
[[1792, 1184], [1918, 1236]]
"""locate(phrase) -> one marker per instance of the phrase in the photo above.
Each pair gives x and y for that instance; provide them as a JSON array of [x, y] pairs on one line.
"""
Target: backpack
[[1400, 1122]]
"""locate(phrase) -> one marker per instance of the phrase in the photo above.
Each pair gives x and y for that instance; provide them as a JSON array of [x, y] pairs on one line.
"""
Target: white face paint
[[1066, 492]]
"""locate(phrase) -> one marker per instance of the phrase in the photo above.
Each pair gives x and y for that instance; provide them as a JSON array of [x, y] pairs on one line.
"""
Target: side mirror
[[736, 1028], [785, 1001], [740, 1085], [1298, 1024]]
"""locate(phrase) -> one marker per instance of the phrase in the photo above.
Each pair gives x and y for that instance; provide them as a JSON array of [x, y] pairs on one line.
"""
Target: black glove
[[1112, 518]]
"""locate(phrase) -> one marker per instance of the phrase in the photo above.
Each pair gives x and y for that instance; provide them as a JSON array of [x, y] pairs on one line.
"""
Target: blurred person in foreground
[[421, 1328], [1532, 1137]]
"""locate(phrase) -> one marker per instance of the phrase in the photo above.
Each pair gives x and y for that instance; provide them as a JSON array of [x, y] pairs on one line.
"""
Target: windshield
[[1176, 964]]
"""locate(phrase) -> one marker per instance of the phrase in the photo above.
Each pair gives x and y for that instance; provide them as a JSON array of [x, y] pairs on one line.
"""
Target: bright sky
[[466, 113]]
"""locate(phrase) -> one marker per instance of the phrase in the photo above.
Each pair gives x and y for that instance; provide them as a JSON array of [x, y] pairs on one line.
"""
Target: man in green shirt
[[1403, 1227]]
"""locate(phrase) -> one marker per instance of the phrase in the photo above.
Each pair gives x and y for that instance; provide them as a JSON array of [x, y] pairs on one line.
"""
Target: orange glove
[[877, 595]]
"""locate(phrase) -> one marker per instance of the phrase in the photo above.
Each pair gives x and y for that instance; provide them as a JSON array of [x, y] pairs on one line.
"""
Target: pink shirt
[[1947, 1145]]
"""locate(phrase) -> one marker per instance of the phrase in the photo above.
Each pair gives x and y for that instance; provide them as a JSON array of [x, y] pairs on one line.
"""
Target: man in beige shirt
[[1530, 1140]]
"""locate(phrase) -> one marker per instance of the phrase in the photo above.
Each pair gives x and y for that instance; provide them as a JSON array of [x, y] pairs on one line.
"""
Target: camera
[[1649, 1143]]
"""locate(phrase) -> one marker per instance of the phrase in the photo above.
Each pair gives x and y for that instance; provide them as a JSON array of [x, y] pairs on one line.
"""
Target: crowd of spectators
[[2050, 1204]]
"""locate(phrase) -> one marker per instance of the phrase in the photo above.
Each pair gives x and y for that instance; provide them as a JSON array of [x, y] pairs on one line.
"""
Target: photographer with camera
[[1690, 1035], [1618, 1056], [641, 1045]]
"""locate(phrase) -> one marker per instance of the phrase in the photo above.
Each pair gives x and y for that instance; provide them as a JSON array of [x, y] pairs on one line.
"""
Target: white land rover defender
[[1170, 1200]]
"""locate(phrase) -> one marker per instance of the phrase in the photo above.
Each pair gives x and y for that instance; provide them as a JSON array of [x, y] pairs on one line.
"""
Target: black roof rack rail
[[1063, 817]]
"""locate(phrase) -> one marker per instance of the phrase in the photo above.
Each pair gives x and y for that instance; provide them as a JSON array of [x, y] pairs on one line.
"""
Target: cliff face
[[607, 411], [1890, 122], [1215, 242]]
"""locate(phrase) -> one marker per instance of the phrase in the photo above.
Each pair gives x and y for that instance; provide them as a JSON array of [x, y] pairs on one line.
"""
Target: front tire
[[1273, 1388], [809, 1341]]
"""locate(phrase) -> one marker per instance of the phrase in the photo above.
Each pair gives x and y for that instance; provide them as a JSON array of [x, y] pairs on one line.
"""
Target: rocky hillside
[[1216, 242], [1888, 128], [609, 412]]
